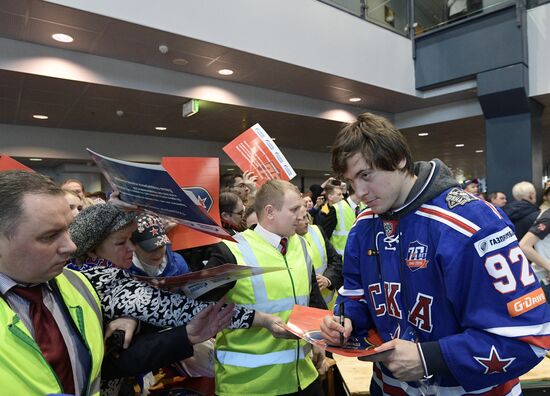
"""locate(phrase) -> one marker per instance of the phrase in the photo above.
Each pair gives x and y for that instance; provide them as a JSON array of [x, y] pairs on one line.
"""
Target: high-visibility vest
[[23, 368], [252, 361], [345, 216], [315, 239]]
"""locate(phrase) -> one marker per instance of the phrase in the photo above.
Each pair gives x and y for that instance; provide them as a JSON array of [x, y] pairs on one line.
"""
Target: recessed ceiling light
[[326, 174], [459, 145], [40, 116], [35, 159], [180, 61], [354, 99], [225, 72], [423, 134], [230, 169], [160, 128], [479, 151], [62, 38]]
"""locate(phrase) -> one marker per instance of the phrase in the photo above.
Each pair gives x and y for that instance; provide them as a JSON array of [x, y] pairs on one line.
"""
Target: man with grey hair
[[52, 335], [523, 210]]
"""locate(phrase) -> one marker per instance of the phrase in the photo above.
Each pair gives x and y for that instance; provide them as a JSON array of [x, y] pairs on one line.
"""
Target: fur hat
[[94, 224]]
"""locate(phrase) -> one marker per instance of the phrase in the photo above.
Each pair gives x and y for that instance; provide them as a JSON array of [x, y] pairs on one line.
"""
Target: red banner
[[201, 177], [254, 150], [8, 163]]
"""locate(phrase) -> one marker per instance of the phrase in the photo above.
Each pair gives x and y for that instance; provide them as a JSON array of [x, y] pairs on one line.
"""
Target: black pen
[[342, 322]]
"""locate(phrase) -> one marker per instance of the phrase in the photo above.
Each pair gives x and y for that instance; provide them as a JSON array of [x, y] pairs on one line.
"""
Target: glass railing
[[433, 14], [389, 14], [428, 14]]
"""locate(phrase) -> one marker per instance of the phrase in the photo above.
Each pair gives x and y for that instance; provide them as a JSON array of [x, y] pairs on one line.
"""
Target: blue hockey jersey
[[450, 271]]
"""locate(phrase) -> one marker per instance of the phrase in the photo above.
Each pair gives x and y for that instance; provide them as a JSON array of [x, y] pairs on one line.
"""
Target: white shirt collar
[[351, 203], [271, 238]]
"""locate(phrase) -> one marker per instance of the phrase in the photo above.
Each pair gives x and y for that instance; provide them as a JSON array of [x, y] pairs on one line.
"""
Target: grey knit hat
[[94, 224]]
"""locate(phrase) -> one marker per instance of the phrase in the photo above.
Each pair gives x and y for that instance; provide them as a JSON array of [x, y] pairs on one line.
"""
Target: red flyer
[[255, 151], [200, 177]]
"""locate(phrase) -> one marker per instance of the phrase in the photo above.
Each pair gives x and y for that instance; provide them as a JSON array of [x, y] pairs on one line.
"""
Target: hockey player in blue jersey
[[436, 271]]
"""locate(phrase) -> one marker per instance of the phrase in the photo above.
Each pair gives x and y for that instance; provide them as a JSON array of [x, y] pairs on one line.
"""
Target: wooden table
[[356, 375]]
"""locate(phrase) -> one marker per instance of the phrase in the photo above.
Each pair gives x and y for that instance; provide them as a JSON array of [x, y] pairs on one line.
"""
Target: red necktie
[[47, 336], [284, 245]]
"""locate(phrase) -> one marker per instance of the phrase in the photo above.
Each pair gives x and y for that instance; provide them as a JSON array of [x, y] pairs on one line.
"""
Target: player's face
[[380, 190], [40, 246], [118, 248], [286, 219]]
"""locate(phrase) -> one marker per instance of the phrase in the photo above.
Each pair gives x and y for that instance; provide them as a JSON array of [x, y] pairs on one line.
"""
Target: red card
[[254, 150]]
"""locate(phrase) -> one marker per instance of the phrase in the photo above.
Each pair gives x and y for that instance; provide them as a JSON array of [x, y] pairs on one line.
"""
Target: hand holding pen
[[336, 329], [342, 322]]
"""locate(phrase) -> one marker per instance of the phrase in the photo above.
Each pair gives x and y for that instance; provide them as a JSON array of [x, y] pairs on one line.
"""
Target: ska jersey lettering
[[446, 269]]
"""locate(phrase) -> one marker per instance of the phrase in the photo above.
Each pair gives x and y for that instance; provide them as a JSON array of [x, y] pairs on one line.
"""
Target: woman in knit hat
[[102, 235]]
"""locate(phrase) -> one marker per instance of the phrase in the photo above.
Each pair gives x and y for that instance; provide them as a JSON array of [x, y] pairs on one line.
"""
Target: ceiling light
[[459, 145], [180, 61], [160, 128], [354, 99], [35, 159], [40, 116], [423, 134], [230, 169], [326, 174], [62, 38], [225, 72], [479, 151]]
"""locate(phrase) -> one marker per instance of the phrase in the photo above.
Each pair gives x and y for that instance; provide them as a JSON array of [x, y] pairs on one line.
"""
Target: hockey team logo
[[458, 197], [417, 255], [202, 196], [390, 227]]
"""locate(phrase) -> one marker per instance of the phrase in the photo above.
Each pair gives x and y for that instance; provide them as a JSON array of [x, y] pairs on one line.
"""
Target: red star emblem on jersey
[[494, 363]]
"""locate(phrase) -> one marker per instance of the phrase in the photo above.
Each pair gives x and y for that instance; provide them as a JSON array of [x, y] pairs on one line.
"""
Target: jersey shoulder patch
[[458, 197]]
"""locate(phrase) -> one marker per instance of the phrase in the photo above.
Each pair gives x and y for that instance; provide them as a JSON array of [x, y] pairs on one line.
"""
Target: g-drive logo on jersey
[[495, 241], [202, 195], [417, 254]]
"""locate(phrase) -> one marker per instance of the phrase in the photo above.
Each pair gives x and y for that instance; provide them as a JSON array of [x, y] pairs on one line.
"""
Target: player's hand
[[331, 329], [403, 360], [322, 281]]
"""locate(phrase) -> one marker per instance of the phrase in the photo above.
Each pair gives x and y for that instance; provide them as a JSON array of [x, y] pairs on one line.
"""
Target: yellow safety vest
[[345, 216], [252, 361], [23, 368], [315, 239]]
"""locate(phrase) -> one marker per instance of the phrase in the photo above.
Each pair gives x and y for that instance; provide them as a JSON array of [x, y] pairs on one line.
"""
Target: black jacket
[[523, 214]]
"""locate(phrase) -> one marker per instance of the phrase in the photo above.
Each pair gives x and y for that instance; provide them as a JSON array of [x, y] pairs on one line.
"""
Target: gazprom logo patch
[[495, 241], [202, 195]]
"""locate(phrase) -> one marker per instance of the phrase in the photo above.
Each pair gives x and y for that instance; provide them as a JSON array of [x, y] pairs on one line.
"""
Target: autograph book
[[305, 322]]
